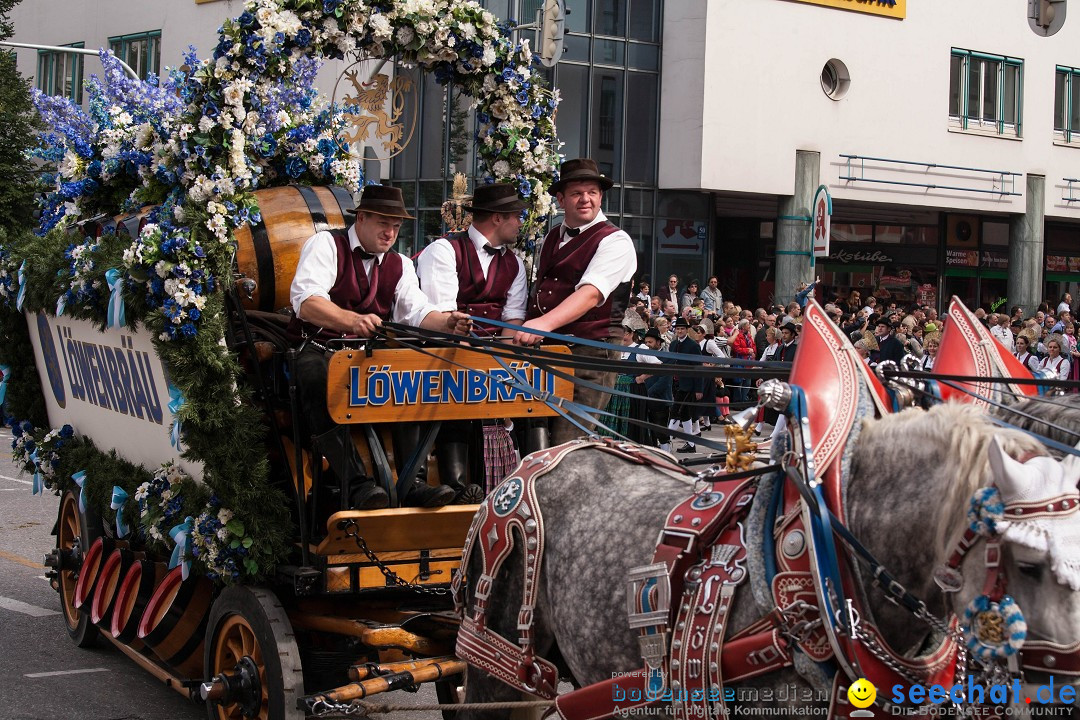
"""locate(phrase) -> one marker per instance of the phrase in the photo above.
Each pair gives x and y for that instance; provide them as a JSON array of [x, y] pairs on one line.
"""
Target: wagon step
[[382, 678]]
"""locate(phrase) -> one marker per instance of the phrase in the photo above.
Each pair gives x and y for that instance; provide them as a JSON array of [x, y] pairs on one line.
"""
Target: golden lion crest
[[366, 110]]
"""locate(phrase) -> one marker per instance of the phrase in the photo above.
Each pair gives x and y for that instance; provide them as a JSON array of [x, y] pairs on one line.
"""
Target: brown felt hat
[[382, 200], [579, 169], [496, 198]]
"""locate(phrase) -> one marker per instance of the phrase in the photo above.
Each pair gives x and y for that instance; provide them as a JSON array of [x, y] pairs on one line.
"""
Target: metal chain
[[392, 577]]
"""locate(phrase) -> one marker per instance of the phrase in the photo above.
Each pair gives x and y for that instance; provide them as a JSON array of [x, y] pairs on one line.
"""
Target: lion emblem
[[366, 110]]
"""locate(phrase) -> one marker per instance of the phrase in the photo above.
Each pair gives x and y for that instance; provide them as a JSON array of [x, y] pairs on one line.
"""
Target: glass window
[[1067, 102], [641, 128], [609, 52], [644, 20], [606, 141], [639, 202], [851, 233], [433, 105], [985, 91], [142, 51], [643, 57], [573, 112], [577, 15], [61, 73], [609, 18], [575, 48], [995, 233]]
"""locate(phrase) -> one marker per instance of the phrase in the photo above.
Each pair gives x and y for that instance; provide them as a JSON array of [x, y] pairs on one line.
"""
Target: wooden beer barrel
[[136, 589], [91, 571], [112, 573], [267, 252], [173, 624]]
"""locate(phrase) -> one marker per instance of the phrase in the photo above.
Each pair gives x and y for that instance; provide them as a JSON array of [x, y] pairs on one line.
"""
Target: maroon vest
[[351, 290], [477, 295], [560, 270]]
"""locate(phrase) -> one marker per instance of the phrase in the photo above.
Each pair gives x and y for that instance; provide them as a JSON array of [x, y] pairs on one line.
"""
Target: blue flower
[[295, 167], [188, 330], [525, 188], [303, 38]]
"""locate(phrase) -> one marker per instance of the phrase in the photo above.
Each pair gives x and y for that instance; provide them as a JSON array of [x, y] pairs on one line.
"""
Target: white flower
[[205, 124], [501, 168]]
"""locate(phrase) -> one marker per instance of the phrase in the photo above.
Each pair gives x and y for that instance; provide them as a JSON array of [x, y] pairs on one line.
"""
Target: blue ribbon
[[180, 534], [176, 401], [61, 303], [22, 287], [119, 497], [5, 370], [37, 486], [115, 280], [80, 480]]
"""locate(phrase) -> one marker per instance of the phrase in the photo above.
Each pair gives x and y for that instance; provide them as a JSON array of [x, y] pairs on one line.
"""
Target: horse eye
[[1032, 571]]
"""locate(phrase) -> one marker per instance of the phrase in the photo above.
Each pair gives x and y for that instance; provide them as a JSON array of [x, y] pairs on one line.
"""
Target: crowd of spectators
[[681, 318]]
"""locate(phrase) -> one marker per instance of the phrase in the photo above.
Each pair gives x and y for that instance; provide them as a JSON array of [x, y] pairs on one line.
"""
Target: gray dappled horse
[[911, 477]]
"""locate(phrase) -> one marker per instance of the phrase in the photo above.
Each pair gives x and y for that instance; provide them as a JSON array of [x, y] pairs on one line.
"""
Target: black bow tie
[[365, 255], [573, 232], [492, 250]]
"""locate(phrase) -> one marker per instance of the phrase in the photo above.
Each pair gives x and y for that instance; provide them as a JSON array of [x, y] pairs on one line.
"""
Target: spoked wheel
[[251, 654], [73, 537]]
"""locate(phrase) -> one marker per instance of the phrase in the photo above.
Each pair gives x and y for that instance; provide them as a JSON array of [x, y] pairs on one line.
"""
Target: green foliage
[[18, 126]]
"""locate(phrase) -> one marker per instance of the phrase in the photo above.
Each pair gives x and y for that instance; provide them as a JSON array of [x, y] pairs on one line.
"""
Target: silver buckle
[[637, 582]]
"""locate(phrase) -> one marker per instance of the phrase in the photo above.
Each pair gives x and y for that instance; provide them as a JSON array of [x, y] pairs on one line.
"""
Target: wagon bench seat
[[421, 546]]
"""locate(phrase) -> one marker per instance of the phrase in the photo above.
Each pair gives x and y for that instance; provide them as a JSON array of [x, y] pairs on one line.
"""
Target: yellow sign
[[395, 385], [889, 8]]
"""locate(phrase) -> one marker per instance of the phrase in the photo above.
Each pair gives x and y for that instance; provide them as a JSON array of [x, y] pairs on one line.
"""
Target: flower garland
[[198, 144]]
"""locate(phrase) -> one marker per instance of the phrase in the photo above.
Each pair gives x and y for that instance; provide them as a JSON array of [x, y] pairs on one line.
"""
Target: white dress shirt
[[437, 268], [316, 273], [1060, 367], [1004, 336], [614, 263]]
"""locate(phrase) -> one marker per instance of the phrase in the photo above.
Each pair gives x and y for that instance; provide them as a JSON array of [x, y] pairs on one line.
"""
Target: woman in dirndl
[[500, 453], [614, 424]]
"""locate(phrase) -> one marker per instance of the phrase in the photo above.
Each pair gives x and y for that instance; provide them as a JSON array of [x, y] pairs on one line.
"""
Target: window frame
[[963, 118], [124, 41], [1067, 131], [46, 72]]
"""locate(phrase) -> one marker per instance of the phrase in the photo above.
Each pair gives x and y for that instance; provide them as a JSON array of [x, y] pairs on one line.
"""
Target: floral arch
[[196, 147]]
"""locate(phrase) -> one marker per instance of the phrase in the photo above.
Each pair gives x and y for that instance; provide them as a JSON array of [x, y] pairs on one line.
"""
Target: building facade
[[944, 133], [947, 134]]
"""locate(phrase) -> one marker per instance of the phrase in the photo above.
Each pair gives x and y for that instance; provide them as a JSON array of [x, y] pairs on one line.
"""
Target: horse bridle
[[1040, 656]]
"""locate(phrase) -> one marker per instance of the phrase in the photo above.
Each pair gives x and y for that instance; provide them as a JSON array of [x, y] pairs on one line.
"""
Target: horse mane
[[954, 433], [1063, 411]]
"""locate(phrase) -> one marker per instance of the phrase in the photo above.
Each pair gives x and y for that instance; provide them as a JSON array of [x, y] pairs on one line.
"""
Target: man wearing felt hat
[[476, 272], [789, 333], [582, 282], [347, 284]]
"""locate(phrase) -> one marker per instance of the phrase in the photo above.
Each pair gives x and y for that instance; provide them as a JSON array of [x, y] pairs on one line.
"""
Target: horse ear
[[1002, 465]]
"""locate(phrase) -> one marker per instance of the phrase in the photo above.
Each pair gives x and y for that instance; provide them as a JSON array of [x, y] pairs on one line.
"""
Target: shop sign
[[926, 294], [820, 222], [1057, 263], [961, 258], [888, 8], [680, 237], [860, 257], [1074, 264], [995, 260]]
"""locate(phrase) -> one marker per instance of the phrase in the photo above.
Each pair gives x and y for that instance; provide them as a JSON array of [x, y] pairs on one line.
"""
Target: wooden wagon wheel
[[252, 655], [74, 533]]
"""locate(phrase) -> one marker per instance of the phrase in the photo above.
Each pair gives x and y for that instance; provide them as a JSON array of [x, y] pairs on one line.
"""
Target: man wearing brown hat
[[582, 282], [476, 272], [346, 285]]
